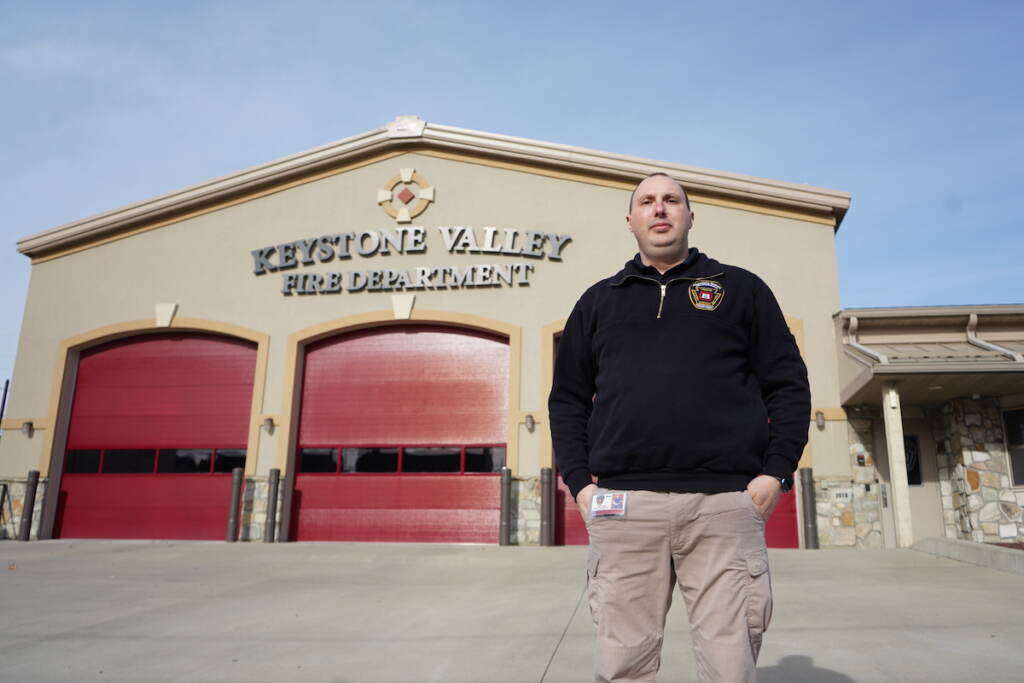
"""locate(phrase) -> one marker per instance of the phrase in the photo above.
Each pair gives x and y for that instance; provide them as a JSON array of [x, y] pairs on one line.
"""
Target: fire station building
[[375, 321]]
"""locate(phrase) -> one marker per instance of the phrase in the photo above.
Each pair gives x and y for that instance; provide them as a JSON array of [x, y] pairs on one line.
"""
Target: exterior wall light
[[531, 424], [27, 428], [268, 425], [819, 419]]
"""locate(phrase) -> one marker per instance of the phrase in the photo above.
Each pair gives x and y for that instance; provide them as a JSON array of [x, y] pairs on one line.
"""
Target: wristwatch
[[787, 484]]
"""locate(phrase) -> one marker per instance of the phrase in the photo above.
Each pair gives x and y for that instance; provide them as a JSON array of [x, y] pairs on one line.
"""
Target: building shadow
[[799, 669]]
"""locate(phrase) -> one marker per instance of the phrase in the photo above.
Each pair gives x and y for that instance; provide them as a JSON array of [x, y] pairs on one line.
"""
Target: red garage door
[[401, 436], [157, 424]]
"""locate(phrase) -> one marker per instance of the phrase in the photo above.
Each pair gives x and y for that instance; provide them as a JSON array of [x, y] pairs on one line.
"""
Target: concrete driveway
[[406, 613]]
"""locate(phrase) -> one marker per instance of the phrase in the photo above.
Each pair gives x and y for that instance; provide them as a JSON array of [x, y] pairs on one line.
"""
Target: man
[[679, 387]]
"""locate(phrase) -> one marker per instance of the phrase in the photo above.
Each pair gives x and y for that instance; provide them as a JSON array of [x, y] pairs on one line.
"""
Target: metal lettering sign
[[404, 197], [324, 249]]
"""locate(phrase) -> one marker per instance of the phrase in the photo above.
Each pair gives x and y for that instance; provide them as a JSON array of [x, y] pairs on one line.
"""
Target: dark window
[[431, 459], [83, 461], [318, 460], [370, 459], [182, 460], [1014, 422], [393, 459], [485, 458], [912, 451], [131, 460], [228, 459]]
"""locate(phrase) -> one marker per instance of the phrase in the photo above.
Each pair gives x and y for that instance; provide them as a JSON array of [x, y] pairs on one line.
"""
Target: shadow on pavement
[[799, 669]]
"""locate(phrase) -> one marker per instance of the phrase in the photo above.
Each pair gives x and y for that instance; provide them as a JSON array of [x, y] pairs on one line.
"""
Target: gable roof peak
[[406, 126]]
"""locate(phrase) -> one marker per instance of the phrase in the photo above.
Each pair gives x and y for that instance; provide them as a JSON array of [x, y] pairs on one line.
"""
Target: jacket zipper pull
[[661, 301]]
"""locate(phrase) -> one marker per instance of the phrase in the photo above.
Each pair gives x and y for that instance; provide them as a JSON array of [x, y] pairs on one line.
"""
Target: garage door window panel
[[318, 460], [184, 460], [83, 461], [485, 458], [477, 459], [375, 460], [153, 460], [432, 459], [228, 459], [129, 460]]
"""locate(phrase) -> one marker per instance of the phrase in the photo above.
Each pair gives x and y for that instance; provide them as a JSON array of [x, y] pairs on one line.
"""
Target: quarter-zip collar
[[697, 266]]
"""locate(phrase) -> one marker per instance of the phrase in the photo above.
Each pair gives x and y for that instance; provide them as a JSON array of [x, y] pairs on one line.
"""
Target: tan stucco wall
[[203, 264]]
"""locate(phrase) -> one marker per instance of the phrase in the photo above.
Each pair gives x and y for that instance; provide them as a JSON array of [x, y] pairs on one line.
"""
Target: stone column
[[893, 415], [984, 505]]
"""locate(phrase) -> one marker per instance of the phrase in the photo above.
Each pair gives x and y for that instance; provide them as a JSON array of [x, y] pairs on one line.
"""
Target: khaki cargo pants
[[713, 546]]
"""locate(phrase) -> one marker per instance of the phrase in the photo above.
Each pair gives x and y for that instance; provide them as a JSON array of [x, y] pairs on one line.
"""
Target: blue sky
[[915, 108]]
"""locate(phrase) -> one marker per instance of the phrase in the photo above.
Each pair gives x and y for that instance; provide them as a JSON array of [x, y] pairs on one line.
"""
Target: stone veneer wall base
[[253, 517], [526, 511], [255, 495], [848, 510], [12, 507]]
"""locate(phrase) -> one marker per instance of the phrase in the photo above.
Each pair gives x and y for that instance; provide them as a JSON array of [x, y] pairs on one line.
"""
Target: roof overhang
[[921, 351], [409, 133], [935, 385]]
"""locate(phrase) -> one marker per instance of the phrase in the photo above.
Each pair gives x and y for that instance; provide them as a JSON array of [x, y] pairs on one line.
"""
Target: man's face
[[660, 220]]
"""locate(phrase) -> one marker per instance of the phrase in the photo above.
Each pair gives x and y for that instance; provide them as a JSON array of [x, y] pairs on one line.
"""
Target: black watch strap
[[787, 484]]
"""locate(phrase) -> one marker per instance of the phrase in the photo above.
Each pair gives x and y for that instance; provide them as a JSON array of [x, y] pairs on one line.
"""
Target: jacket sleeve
[[571, 400], [782, 375]]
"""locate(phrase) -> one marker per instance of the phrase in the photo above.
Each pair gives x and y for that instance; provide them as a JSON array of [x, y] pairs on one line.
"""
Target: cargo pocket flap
[[757, 564]]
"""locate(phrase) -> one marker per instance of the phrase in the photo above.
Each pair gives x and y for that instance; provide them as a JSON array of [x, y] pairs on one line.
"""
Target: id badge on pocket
[[608, 504]]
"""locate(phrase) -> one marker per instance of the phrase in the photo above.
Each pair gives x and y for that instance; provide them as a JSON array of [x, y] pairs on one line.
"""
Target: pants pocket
[[753, 506], [759, 598]]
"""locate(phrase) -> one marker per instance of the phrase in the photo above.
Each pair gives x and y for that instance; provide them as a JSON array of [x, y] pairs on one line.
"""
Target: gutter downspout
[[972, 338], [851, 330]]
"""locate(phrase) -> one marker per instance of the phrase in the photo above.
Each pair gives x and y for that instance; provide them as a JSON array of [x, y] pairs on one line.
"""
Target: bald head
[[632, 196]]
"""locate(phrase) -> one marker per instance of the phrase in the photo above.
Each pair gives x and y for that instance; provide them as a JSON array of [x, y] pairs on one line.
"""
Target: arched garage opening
[[157, 423], [401, 436]]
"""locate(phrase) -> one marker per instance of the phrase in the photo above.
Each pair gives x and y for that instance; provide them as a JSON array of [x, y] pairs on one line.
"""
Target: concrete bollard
[[270, 527], [547, 507], [236, 497], [30, 504], [505, 516], [807, 503]]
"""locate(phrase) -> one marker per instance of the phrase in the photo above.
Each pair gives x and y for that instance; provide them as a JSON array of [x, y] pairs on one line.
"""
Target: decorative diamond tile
[[406, 196]]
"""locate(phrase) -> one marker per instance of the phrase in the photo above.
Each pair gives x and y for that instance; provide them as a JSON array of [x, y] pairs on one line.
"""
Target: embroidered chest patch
[[706, 295]]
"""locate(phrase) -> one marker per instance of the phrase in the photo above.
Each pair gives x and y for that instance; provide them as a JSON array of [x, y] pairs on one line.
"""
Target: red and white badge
[[608, 504], [706, 295]]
